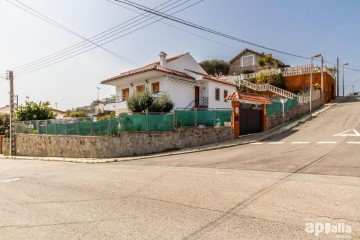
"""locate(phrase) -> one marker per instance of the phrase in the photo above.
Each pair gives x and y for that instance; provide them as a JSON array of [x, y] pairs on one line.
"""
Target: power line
[[58, 25], [196, 26], [46, 64], [80, 44], [178, 28]]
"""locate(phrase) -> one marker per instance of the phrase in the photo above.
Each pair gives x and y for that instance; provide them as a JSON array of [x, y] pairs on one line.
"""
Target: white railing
[[289, 71], [302, 99], [267, 87]]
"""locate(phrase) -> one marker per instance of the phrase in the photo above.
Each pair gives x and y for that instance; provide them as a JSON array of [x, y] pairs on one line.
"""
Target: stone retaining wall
[[277, 119], [127, 144]]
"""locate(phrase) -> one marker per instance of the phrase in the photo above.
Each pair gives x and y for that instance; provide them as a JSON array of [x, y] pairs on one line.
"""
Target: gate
[[250, 121]]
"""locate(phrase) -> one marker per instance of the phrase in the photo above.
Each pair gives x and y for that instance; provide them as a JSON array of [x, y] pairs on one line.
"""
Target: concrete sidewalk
[[240, 141]]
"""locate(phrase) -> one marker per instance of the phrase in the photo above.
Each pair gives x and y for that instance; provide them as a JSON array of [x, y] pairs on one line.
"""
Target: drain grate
[[10, 180]]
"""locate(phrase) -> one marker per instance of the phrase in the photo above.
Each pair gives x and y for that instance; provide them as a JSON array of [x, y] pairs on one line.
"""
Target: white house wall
[[219, 104], [185, 62], [181, 93]]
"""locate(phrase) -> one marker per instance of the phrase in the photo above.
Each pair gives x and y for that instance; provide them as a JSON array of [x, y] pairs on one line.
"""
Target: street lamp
[[98, 89], [343, 82], [311, 70]]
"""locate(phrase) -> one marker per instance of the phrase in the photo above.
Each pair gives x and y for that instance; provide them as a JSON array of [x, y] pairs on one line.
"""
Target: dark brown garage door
[[250, 121]]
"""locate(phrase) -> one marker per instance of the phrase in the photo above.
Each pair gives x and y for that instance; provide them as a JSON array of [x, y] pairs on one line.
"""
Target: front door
[[197, 96]]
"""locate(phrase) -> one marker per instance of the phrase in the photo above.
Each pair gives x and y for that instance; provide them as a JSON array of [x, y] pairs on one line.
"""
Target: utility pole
[[337, 76], [12, 115], [343, 78], [322, 78]]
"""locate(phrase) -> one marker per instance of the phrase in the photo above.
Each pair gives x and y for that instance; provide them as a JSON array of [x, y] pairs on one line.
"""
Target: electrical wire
[[205, 29], [46, 64], [62, 27], [80, 45]]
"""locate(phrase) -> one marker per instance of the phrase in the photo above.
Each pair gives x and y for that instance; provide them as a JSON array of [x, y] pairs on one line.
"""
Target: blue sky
[[303, 27]]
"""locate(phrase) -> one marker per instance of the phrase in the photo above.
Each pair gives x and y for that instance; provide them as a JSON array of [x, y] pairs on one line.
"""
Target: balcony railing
[[291, 71]]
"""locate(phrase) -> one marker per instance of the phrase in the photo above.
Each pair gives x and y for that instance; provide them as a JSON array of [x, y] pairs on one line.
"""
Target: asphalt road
[[267, 190]]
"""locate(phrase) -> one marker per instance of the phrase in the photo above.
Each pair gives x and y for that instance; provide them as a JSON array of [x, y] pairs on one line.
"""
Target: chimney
[[162, 59]]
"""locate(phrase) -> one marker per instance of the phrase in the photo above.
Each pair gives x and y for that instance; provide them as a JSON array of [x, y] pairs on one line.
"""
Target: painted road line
[[256, 143], [326, 142], [299, 142], [353, 142], [275, 143]]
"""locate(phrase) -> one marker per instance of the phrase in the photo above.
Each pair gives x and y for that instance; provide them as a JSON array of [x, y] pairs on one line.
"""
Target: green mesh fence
[[276, 107], [161, 122], [269, 110], [146, 122], [205, 117], [222, 116], [126, 123], [185, 118]]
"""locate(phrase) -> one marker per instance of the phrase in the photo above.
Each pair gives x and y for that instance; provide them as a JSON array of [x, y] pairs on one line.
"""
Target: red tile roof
[[171, 58], [152, 67], [208, 77], [248, 97]]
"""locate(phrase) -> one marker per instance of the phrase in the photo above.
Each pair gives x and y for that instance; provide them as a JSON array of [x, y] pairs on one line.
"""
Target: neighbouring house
[[5, 110], [248, 62], [188, 85], [297, 80], [59, 114]]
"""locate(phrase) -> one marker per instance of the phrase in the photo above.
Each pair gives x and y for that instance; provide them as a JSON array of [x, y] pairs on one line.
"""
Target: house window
[[225, 94], [155, 87], [125, 94], [217, 94], [140, 88], [248, 61]]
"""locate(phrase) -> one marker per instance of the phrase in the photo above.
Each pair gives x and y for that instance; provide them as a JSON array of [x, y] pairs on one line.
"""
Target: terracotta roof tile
[[153, 67], [208, 77], [248, 97]]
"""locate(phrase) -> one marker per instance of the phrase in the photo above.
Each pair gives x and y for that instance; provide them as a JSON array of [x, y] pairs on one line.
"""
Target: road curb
[[272, 132]]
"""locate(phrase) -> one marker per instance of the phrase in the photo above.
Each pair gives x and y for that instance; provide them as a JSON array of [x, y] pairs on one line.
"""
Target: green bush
[[35, 111], [162, 104], [5, 124], [140, 101]]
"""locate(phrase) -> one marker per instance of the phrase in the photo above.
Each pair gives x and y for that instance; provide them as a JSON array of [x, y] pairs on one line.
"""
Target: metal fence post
[[148, 122], [77, 127], [56, 127], [119, 124], [195, 116], [214, 117], [38, 126], [46, 127], [109, 126], [92, 126], [66, 128]]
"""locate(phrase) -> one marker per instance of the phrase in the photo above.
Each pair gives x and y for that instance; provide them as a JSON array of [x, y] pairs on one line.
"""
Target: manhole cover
[[10, 180]]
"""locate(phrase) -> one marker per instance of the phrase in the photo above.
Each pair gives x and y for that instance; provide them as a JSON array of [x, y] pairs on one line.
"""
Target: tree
[[215, 67], [4, 124], [333, 70], [162, 104], [266, 76], [146, 102], [140, 101], [35, 111], [267, 61]]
